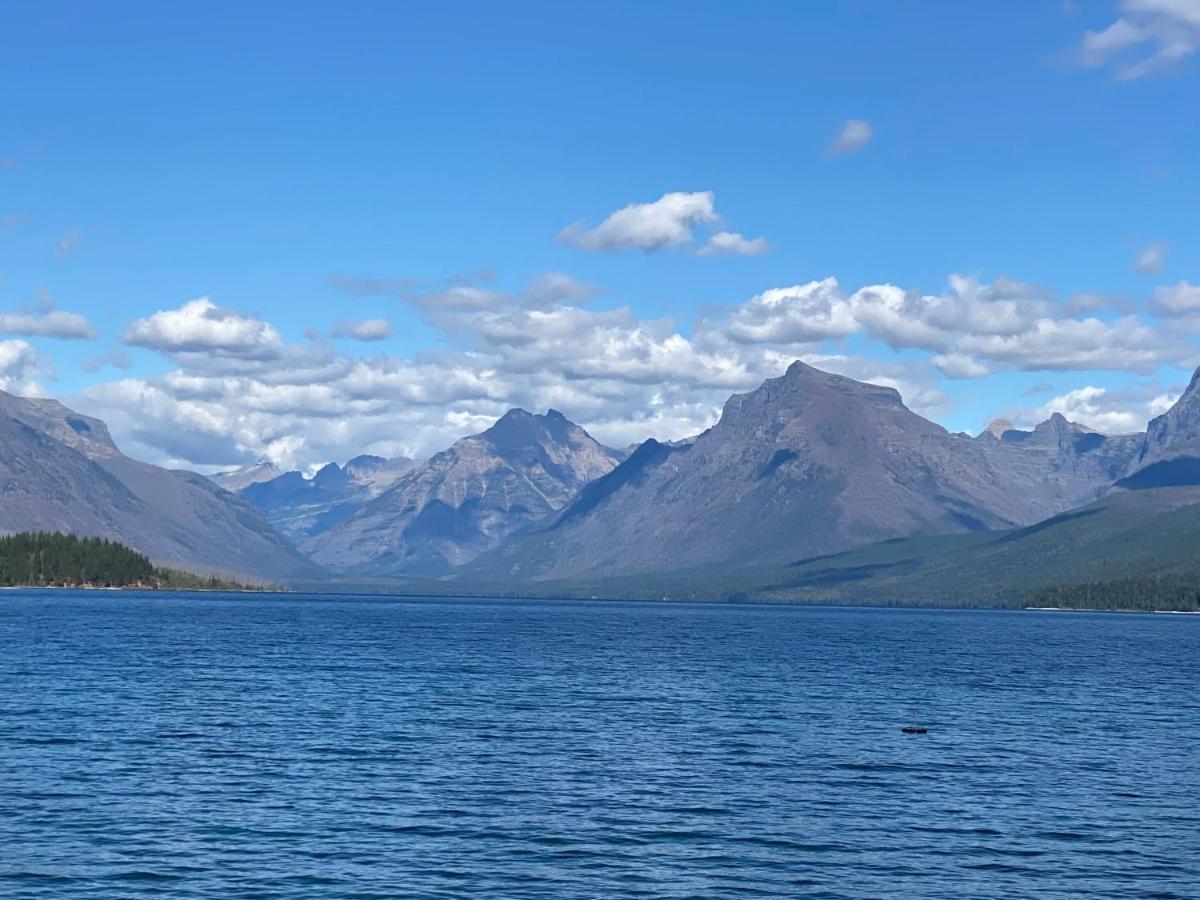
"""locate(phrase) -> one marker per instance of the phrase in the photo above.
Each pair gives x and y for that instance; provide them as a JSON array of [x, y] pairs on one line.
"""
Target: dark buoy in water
[[914, 728]]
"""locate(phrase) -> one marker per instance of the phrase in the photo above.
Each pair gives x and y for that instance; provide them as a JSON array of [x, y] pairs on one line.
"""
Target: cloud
[[555, 287], [973, 328], [1179, 299], [363, 330], [53, 323], [200, 326], [622, 375], [19, 366], [1123, 411], [959, 365], [666, 222], [1151, 259], [1149, 37], [68, 243], [855, 135], [116, 358], [731, 243], [799, 314]]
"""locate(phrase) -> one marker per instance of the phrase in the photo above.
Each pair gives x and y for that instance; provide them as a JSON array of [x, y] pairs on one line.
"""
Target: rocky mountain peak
[[1176, 433], [520, 429], [84, 433]]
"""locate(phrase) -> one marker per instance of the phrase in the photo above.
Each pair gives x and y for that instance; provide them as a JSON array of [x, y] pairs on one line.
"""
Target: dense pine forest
[[48, 559], [1175, 592]]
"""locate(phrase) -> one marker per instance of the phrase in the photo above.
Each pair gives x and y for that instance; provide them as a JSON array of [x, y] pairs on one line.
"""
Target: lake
[[189, 745]]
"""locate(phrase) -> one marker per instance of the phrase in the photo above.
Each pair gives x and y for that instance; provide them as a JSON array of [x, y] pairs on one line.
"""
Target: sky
[[301, 232]]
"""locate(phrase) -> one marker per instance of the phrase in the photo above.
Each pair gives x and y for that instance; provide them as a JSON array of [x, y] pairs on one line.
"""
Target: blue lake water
[[294, 746]]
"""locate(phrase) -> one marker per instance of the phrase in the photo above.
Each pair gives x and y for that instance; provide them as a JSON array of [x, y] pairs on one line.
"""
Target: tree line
[[1177, 592], [51, 559]]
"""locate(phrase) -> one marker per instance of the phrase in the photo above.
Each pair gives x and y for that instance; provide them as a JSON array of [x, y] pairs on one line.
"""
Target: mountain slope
[[467, 499], [809, 463], [1127, 534], [61, 471], [301, 508]]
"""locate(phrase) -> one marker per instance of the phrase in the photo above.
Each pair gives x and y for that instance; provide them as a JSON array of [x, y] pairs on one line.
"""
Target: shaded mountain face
[[1170, 455], [809, 463], [467, 499], [61, 471], [301, 508]]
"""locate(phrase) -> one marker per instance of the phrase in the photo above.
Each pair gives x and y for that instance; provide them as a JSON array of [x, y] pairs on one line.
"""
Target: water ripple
[[187, 746]]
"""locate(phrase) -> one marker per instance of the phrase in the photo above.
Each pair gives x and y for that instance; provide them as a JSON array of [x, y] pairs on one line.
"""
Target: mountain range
[[807, 468]]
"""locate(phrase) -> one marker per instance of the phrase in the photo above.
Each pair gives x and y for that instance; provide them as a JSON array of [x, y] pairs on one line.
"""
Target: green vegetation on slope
[[1127, 536], [1178, 593], [49, 559]]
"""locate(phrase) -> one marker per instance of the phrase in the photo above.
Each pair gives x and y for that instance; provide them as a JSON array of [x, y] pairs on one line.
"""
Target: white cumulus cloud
[[200, 326], [665, 222]]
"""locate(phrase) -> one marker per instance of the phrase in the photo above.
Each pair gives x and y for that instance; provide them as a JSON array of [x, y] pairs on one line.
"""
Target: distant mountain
[[61, 471], [809, 463], [1060, 464], [301, 508], [239, 479], [467, 499]]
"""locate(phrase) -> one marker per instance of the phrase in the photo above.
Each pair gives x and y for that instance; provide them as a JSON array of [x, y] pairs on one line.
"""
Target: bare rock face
[[1170, 454], [301, 508], [467, 499], [61, 471], [808, 464]]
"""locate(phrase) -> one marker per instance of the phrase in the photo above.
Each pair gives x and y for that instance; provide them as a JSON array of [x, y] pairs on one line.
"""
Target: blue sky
[[308, 168]]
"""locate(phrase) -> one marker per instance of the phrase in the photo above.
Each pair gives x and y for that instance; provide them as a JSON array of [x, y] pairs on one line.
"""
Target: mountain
[[467, 499], [810, 463], [1127, 534], [240, 479], [301, 508], [1061, 463], [1170, 454], [61, 471]]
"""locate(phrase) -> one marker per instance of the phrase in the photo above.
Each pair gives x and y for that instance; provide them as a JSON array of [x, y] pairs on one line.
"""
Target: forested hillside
[[47, 559]]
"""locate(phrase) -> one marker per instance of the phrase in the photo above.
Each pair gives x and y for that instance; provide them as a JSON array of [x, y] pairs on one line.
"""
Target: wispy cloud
[[731, 243], [1151, 259], [69, 243], [1149, 37], [363, 330], [854, 135]]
